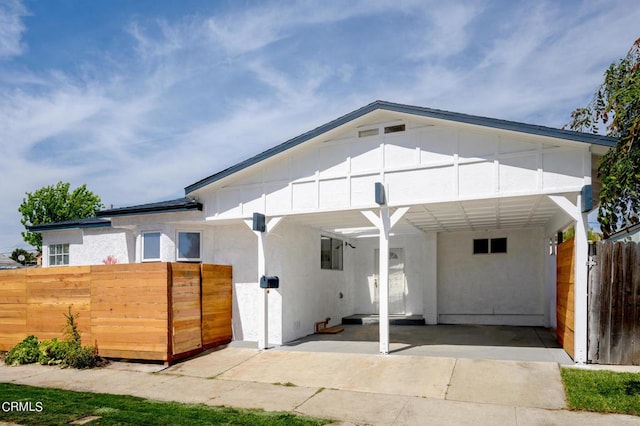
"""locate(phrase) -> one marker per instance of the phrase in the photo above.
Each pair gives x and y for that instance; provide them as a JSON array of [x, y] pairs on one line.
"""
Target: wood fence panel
[[594, 305], [616, 283], [565, 295], [129, 315], [635, 329], [13, 307], [186, 311], [149, 311], [216, 304], [54, 292], [617, 305]]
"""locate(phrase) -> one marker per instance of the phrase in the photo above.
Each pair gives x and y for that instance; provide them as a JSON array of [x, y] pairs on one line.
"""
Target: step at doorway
[[394, 319]]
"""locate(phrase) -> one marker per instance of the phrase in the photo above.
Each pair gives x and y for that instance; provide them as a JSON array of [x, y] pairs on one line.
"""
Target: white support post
[[263, 321], [383, 288], [384, 223], [581, 286], [263, 337]]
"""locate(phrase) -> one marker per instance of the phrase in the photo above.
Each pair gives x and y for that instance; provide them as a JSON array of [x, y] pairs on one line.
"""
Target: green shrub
[[52, 351], [81, 357], [66, 353], [25, 352]]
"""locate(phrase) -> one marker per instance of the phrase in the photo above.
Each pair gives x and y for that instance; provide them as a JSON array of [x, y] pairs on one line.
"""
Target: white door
[[397, 283]]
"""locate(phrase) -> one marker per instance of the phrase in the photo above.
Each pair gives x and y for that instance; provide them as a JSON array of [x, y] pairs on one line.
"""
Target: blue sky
[[139, 99]]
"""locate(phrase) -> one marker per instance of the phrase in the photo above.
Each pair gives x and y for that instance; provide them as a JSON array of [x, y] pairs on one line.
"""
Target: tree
[[616, 104], [29, 258], [52, 204]]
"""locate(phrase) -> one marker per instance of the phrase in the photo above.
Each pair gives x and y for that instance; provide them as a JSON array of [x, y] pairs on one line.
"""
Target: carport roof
[[413, 110], [465, 215]]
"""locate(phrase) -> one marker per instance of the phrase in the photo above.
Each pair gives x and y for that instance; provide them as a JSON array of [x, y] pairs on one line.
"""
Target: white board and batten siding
[[424, 164]]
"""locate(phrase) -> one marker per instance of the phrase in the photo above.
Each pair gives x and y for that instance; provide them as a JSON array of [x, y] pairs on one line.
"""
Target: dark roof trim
[[407, 109], [91, 222], [178, 205]]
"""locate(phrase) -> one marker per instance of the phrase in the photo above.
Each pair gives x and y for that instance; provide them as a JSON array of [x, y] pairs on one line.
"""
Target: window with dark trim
[[331, 250], [486, 245]]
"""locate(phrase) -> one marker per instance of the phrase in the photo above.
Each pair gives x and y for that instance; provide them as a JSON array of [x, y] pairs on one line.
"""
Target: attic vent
[[365, 133], [394, 129]]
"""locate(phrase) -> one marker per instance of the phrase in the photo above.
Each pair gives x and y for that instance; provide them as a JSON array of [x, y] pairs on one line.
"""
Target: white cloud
[[11, 28], [204, 92]]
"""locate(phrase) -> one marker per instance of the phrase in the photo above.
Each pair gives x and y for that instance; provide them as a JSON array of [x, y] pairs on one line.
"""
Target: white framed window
[[331, 250], [188, 247], [150, 246], [58, 254]]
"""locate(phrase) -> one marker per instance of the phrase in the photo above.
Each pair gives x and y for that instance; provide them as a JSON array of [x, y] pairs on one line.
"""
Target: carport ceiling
[[473, 215]]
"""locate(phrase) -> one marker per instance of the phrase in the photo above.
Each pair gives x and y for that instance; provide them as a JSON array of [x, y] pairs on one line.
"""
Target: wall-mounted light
[[349, 245]]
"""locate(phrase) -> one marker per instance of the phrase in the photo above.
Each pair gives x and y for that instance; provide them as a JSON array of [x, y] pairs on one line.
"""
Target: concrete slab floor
[[454, 341]]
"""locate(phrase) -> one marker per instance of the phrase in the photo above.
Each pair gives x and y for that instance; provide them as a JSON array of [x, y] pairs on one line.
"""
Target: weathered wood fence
[[151, 311], [565, 295], [614, 304]]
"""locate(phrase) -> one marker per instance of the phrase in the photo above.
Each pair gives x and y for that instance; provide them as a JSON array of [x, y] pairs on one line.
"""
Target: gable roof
[[414, 110], [177, 205]]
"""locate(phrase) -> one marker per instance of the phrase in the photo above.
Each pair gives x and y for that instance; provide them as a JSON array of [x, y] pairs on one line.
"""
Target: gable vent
[[395, 129], [368, 132]]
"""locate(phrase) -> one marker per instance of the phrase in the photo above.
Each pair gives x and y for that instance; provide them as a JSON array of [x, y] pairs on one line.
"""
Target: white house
[[455, 211]]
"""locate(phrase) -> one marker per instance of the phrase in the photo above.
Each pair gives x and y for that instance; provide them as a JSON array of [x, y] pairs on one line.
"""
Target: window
[[188, 246], [481, 246], [498, 245], [151, 246], [331, 253], [58, 254], [395, 129]]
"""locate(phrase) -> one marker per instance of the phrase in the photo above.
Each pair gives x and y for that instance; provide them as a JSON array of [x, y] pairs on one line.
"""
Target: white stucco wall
[[307, 293], [91, 246], [503, 288], [420, 274]]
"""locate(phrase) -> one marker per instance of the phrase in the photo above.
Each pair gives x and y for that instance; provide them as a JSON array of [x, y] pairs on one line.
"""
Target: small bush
[[25, 352], [66, 353], [52, 351]]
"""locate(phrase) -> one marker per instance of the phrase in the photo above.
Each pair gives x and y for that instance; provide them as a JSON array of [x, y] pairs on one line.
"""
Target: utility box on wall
[[269, 282]]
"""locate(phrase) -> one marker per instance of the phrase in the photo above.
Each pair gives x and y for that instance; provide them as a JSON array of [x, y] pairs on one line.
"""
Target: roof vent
[[394, 129], [368, 132]]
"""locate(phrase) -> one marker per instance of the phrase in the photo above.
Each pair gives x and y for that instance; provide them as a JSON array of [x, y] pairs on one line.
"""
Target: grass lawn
[[61, 407], [602, 391]]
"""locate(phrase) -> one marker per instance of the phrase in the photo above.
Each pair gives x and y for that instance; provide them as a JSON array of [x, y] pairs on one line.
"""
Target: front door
[[396, 280]]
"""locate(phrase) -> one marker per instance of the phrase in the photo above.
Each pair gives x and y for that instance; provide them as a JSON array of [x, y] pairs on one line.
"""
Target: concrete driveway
[[351, 388]]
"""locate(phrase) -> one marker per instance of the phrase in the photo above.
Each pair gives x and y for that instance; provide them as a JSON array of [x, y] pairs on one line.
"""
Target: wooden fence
[[151, 311], [565, 295], [614, 304]]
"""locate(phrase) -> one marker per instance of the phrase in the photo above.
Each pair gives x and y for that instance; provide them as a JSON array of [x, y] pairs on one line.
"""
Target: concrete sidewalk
[[350, 388]]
